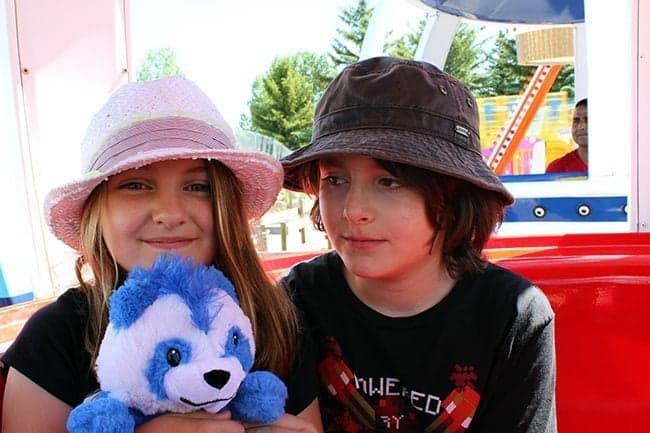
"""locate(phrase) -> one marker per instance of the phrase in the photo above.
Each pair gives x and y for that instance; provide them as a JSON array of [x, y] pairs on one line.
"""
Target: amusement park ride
[[585, 240]]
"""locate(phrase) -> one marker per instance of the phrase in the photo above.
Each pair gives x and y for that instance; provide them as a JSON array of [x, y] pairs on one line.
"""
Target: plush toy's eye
[[235, 339], [173, 357]]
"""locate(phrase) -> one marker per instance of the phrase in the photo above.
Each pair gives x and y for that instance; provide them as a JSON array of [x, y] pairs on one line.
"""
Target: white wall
[[59, 62]]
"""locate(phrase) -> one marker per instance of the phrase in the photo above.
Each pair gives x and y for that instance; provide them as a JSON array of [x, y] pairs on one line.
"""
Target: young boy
[[417, 331]]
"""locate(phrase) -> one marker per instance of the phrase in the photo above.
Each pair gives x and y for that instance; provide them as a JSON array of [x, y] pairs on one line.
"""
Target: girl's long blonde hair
[[267, 305]]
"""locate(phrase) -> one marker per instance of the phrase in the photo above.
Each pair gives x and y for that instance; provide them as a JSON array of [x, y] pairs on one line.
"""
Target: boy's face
[[378, 226]]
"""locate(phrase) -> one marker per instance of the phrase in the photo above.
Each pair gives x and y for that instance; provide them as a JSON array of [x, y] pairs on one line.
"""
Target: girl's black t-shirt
[[49, 350]]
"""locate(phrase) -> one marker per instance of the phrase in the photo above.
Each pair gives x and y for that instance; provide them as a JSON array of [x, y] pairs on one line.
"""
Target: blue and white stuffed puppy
[[176, 341]]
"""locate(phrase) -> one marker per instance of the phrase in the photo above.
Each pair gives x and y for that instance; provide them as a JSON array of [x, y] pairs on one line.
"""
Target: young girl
[[160, 174], [417, 331]]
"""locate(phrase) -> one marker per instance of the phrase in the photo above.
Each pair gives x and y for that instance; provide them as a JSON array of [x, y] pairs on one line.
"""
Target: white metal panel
[[436, 38], [373, 42], [641, 155], [68, 57], [609, 61], [16, 240], [580, 62], [72, 55]]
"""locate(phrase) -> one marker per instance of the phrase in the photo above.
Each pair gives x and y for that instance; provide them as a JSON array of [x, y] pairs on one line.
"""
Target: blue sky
[[223, 44]]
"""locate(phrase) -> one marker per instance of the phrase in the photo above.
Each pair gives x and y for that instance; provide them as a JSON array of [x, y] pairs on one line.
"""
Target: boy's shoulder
[[500, 289], [494, 274], [314, 270], [318, 277]]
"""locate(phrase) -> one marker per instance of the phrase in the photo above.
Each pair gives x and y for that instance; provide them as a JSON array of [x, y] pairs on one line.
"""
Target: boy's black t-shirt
[[50, 351], [481, 360]]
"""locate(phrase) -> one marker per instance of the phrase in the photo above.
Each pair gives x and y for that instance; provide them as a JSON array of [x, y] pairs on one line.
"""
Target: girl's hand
[[308, 421], [194, 422], [288, 423]]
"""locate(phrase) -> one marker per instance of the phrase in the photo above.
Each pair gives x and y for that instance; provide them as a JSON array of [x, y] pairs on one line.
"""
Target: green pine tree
[[406, 46], [565, 81], [316, 69], [347, 46], [282, 104], [503, 75], [158, 63], [465, 58]]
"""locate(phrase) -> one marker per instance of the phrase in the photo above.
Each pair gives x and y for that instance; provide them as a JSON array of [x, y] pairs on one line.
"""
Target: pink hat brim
[[260, 176]]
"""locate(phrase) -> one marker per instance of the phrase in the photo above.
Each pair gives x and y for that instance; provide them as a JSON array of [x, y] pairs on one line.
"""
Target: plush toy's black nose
[[217, 378]]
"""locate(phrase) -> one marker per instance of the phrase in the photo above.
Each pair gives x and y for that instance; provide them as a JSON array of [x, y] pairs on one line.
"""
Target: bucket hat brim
[[424, 151]]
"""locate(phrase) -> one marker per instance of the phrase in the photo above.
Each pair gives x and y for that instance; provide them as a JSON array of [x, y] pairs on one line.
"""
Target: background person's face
[[579, 127]]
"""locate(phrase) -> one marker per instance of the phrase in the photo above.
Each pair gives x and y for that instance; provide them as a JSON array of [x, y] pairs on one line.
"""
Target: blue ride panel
[[6, 298], [574, 209]]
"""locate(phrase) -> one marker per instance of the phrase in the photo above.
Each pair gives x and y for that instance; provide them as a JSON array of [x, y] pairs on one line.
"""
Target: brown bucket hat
[[398, 110]]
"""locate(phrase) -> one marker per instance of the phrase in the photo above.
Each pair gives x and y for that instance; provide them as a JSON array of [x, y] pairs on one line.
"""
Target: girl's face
[[162, 207], [378, 226]]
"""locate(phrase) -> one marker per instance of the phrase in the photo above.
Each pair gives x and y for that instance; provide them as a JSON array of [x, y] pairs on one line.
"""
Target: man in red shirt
[[575, 161]]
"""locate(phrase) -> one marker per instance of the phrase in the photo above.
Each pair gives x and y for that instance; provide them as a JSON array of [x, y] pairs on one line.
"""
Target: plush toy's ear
[[129, 301], [138, 292], [216, 278], [196, 284]]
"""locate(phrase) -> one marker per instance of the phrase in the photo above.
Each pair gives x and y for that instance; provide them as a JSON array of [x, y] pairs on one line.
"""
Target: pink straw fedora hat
[[149, 121]]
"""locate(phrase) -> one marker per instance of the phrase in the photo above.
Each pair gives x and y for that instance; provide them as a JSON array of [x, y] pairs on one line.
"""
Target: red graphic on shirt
[[360, 413], [339, 380], [395, 415], [463, 375], [459, 408]]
